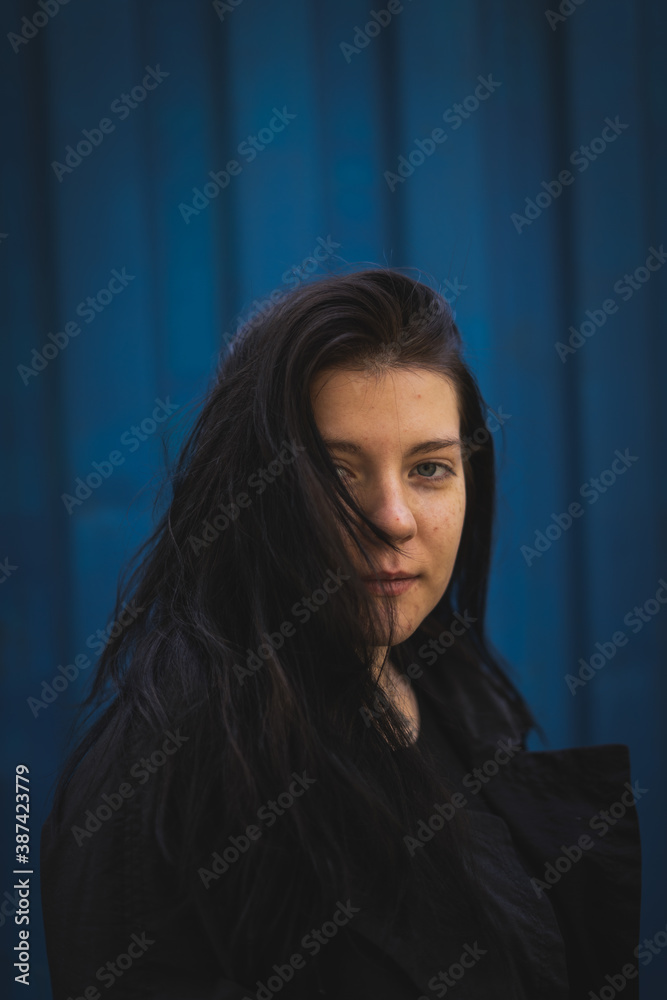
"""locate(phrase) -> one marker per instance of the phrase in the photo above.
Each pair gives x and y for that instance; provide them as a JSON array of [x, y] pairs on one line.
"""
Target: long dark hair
[[253, 529]]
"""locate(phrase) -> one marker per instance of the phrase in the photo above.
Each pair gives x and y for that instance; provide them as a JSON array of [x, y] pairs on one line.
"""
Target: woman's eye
[[434, 470]]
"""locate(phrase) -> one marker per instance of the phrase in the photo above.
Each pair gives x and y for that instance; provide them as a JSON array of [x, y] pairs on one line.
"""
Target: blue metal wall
[[478, 209]]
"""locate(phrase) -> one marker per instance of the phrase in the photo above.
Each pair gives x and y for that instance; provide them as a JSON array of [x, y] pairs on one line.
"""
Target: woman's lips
[[390, 588]]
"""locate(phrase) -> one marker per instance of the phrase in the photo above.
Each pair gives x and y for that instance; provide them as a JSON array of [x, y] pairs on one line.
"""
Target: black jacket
[[564, 880]]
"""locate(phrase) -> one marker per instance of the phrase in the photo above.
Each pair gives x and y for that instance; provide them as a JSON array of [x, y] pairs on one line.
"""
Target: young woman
[[308, 775]]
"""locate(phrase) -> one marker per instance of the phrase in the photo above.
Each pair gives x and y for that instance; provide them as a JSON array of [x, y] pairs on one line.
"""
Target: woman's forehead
[[399, 396]]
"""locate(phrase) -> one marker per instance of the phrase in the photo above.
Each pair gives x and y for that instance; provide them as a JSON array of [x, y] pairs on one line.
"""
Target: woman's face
[[395, 441]]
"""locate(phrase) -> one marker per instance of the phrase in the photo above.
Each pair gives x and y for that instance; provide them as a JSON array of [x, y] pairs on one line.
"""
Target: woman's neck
[[400, 692]]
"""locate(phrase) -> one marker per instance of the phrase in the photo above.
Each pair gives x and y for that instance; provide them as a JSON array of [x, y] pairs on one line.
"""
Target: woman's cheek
[[444, 523]]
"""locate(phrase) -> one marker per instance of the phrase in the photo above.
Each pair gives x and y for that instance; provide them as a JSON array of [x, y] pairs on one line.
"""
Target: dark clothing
[[534, 945], [562, 932]]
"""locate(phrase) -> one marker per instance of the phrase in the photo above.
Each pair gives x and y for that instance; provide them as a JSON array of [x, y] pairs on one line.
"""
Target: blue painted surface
[[518, 293]]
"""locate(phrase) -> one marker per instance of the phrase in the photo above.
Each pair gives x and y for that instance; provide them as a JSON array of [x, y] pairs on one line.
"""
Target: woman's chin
[[403, 630]]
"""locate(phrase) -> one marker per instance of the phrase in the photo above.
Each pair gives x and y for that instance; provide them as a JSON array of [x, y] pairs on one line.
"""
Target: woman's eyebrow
[[435, 445], [417, 449]]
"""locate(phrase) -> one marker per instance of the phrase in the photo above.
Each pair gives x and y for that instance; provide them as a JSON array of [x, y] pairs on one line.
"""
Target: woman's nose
[[386, 503]]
